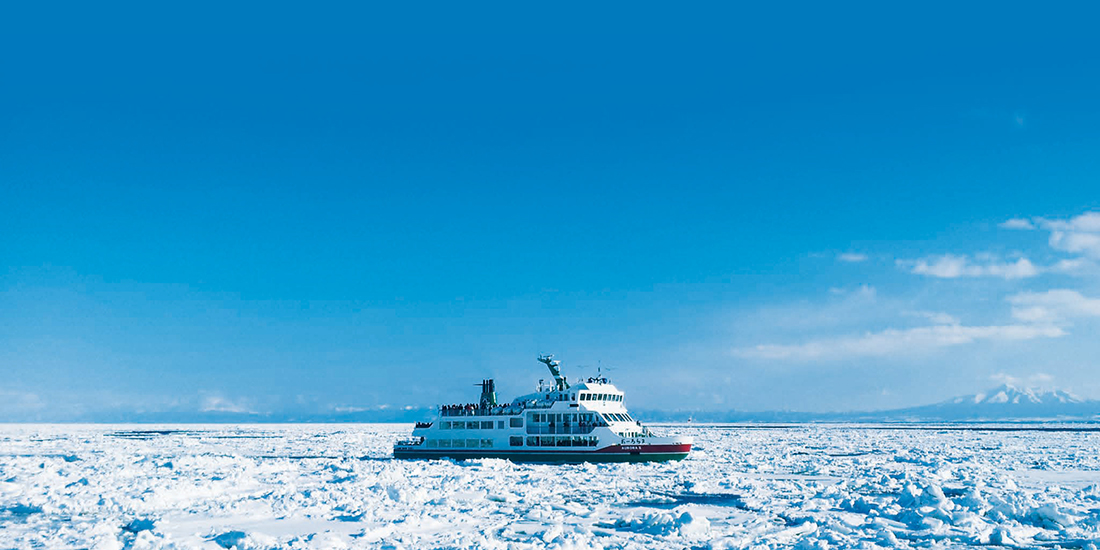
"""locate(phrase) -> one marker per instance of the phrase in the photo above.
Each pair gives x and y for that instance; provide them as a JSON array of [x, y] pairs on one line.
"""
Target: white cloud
[[1089, 222], [1037, 379], [1086, 244], [13, 402], [1077, 235], [1017, 223], [218, 403], [861, 293], [898, 342], [1053, 306], [349, 409], [852, 257], [937, 317], [950, 266]]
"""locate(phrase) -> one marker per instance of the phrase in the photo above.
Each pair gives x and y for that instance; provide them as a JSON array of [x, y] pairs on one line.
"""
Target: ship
[[560, 422]]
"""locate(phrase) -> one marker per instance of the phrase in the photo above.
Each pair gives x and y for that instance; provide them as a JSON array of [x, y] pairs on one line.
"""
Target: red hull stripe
[[611, 449]]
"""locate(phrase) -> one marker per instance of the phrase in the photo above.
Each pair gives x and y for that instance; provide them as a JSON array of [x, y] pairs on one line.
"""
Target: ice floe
[[335, 487]]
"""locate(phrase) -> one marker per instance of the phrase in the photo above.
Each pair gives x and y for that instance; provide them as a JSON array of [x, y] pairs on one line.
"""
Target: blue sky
[[278, 208]]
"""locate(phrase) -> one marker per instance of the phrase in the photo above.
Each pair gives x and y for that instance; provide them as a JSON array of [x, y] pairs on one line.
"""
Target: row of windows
[[480, 424], [558, 418], [459, 443], [618, 417], [514, 441], [601, 397], [560, 441]]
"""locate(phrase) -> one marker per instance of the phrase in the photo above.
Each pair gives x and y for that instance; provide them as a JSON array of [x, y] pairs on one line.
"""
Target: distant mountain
[[1006, 402]]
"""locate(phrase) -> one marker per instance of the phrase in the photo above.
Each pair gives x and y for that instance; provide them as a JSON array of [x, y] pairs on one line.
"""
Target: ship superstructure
[[561, 422]]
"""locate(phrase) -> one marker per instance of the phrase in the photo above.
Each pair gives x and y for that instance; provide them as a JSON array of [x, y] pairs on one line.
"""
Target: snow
[[335, 486]]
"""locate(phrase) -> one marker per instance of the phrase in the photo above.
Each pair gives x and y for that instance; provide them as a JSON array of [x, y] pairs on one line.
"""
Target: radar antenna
[[555, 370]]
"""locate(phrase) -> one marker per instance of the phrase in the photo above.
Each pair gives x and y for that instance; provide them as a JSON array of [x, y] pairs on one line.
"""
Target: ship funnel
[[555, 370], [488, 394]]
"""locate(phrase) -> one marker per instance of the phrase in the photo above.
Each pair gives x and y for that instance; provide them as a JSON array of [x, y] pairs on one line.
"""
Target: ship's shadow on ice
[[666, 501], [19, 511]]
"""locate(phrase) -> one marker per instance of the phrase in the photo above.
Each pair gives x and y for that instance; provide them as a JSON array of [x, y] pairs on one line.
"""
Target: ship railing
[[508, 410], [559, 430]]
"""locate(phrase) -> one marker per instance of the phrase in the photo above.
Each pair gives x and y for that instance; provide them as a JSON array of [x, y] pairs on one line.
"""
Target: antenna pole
[[555, 369]]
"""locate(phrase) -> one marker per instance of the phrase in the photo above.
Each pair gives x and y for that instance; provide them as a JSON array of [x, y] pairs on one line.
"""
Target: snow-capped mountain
[[1006, 402], [1009, 394]]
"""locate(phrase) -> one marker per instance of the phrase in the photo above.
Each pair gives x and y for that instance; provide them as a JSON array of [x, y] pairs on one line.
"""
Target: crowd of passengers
[[474, 409]]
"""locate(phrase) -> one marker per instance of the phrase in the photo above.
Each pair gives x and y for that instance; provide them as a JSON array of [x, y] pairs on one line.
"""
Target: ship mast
[[555, 370]]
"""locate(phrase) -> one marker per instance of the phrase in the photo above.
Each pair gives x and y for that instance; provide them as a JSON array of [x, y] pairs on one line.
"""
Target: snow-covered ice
[[335, 486]]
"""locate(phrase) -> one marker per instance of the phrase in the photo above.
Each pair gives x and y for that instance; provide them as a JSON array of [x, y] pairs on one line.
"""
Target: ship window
[[500, 424], [516, 422], [444, 425], [486, 443], [487, 425], [546, 441], [471, 443], [429, 443], [445, 443], [532, 441], [516, 441], [458, 443]]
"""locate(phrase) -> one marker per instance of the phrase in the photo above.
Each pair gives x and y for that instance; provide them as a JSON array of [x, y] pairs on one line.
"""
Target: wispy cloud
[[951, 266], [937, 317], [1037, 315], [1038, 379], [852, 257], [894, 342], [219, 403], [1053, 306], [1017, 223], [1077, 235], [18, 402]]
